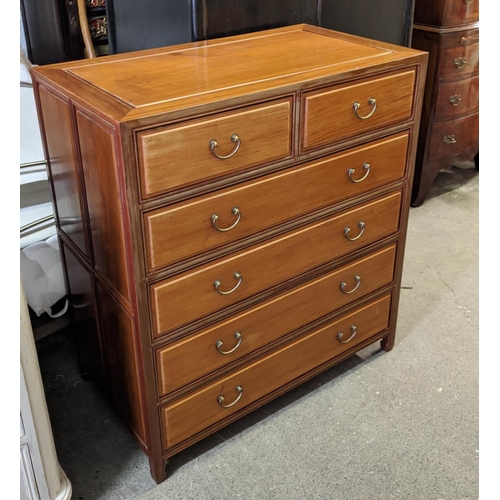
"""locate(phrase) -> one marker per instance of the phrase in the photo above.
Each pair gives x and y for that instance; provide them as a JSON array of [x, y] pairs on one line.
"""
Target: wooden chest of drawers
[[232, 217], [449, 31]]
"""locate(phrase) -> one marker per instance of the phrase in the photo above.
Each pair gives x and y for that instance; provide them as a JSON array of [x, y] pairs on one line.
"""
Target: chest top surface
[[172, 78]]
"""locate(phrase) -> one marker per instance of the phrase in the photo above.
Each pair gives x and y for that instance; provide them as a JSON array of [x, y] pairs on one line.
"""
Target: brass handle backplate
[[221, 398], [455, 99], [468, 2], [347, 230], [239, 339], [234, 138], [357, 279], [236, 276], [449, 139], [459, 62], [215, 217], [366, 167], [340, 335], [372, 102], [463, 40]]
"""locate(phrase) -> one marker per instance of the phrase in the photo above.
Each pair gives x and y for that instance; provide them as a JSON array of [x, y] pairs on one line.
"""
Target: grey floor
[[400, 425]]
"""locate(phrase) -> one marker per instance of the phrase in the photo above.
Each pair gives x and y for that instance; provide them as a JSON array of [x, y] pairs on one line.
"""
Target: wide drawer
[[458, 63], [183, 154], [231, 340], [204, 407], [457, 98], [194, 294], [447, 13], [454, 137], [189, 228], [344, 111]]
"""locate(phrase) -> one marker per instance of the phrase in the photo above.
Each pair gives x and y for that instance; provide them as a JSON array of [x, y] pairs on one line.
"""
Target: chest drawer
[[454, 137], [207, 289], [231, 340], [457, 98], [330, 115], [233, 392], [459, 62], [189, 228], [179, 155]]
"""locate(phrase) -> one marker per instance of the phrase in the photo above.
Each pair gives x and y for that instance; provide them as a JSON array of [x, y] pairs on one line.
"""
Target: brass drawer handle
[[220, 399], [340, 335], [347, 230], [235, 138], [357, 279], [238, 338], [468, 2], [372, 102], [236, 276], [366, 166], [214, 218], [463, 40], [459, 62], [455, 99], [449, 139]]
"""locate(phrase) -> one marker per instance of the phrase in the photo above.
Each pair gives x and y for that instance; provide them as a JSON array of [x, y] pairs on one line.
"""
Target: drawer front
[[207, 289], [332, 115], [457, 98], [202, 409], [460, 39], [264, 203], [180, 155], [454, 137], [460, 62], [231, 340]]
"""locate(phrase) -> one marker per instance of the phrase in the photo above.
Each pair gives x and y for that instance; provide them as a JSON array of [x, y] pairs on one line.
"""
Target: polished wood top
[[178, 77]]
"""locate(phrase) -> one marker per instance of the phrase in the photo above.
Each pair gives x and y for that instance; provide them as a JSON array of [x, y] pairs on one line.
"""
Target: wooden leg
[[158, 469], [476, 161], [387, 343], [422, 186]]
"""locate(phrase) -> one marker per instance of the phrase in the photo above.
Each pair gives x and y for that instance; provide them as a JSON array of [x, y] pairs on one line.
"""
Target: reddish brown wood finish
[[446, 12], [453, 73], [62, 163], [142, 187], [329, 114], [183, 299], [311, 187], [202, 409]]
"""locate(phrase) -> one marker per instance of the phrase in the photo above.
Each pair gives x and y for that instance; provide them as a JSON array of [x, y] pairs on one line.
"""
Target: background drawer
[[200, 410], [446, 13], [186, 229], [457, 98], [266, 323], [457, 63], [179, 155], [464, 131], [329, 116], [192, 295]]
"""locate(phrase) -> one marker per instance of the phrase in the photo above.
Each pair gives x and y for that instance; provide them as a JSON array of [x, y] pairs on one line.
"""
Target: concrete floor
[[400, 425]]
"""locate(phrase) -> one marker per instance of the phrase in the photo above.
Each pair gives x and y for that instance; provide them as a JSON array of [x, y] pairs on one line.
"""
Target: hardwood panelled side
[[97, 146], [63, 166], [83, 302], [122, 363]]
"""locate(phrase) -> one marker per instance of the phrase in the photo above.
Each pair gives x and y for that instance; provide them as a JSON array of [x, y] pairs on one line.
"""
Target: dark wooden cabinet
[[449, 130], [156, 23]]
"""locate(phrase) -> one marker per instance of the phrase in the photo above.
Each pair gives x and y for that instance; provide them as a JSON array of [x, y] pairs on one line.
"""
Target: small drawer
[[183, 154], [457, 98], [197, 293], [244, 333], [459, 39], [189, 228], [341, 112], [454, 137], [231, 393], [458, 63]]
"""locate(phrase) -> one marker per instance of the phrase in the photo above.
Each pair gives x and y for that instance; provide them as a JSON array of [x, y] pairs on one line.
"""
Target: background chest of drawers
[[449, 31], [232, 217]]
